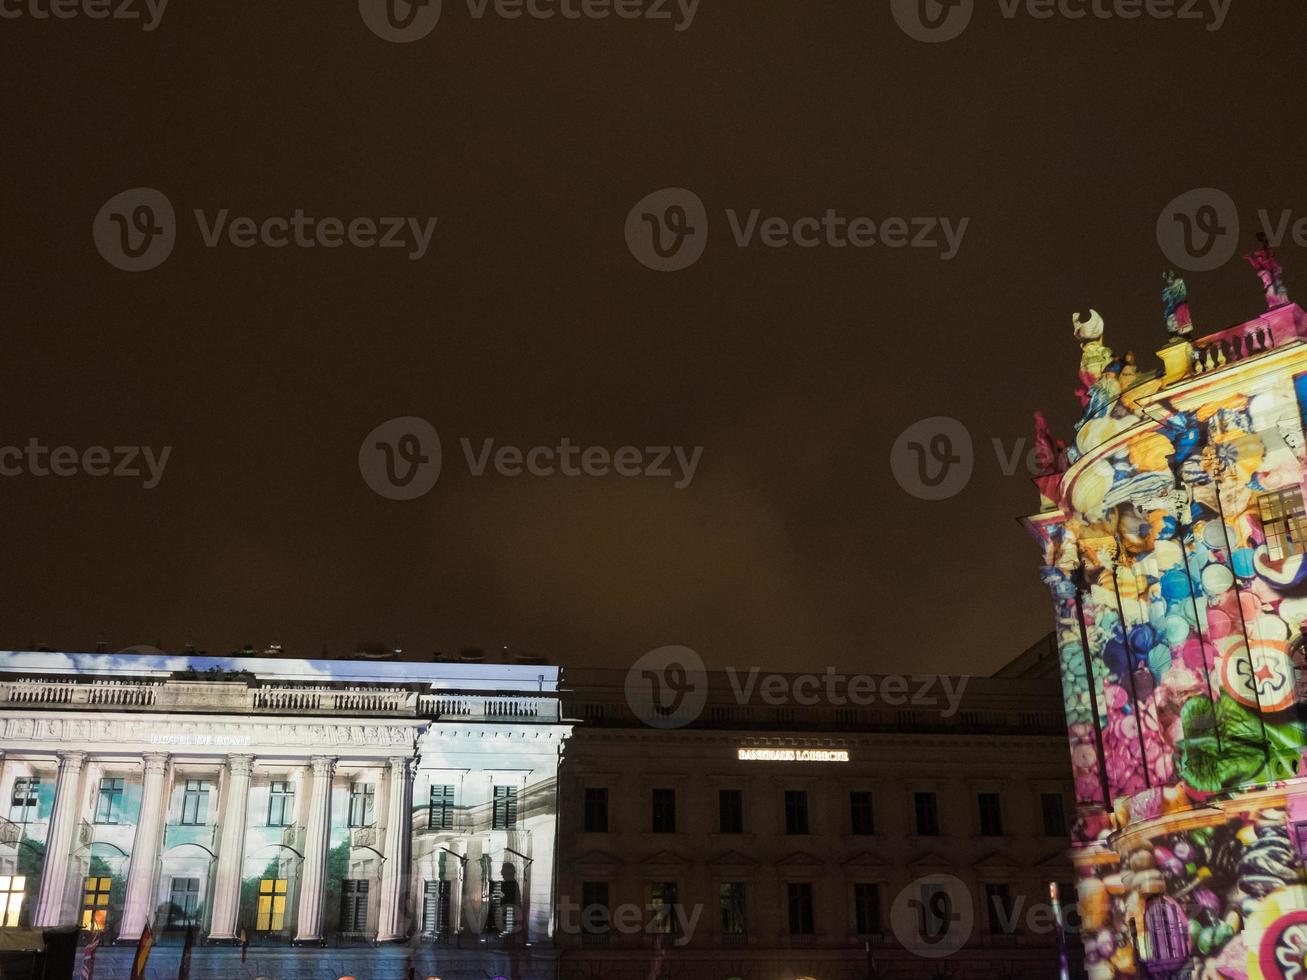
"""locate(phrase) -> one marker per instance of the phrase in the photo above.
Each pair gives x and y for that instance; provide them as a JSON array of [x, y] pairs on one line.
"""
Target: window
[[866, 908], [23, 804], [1284, 520], [936, 908], [662, 907], [502, 917], [505, 814], [596, 810], [95, 903], [796, 811], [12, 888], [440, 811], [281, 804], [991, 814], [730, 903], [594, 908], [195, 803], [664, 811], [799, 894], [998, 908], [183, 900], [361, 798], [1050, 804], [927, 813], [270, 913], [1168, 931], [435, 907], [730, 811], [109, 804], [354, 906], [862, 813]]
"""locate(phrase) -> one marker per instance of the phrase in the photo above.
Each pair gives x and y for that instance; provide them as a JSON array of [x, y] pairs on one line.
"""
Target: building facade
[[903, 834], [297, 818], [1172, 533]]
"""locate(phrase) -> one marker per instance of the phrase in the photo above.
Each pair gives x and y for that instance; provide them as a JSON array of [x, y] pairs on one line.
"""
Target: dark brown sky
[[529, 320]]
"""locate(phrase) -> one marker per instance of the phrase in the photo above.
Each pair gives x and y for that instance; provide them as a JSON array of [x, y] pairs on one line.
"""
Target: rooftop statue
[[1266, 263], [1175, 302]]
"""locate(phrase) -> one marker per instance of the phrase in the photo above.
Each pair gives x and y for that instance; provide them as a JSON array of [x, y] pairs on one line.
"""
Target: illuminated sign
[[793, 755]]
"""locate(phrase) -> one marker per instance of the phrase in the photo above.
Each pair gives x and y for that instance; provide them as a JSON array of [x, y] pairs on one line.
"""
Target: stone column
[[49, 911], [317, 832], [226, 898], [393, 917], [142, 874]]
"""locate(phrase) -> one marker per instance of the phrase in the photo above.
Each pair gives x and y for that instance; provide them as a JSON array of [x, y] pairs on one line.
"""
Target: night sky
[[529, 320]]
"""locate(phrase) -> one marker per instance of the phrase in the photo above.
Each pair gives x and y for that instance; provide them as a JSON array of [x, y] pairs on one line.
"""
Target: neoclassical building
[[314, 819], [1173, 536]]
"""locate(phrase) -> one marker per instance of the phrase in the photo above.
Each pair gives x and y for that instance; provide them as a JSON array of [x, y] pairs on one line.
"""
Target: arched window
[[1168, 931]]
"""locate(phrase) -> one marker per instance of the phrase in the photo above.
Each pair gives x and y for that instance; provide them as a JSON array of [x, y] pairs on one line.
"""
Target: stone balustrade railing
[[239, 698]]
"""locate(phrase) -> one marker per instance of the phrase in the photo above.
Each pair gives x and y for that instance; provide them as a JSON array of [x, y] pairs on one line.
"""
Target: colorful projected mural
[[1174, 534]]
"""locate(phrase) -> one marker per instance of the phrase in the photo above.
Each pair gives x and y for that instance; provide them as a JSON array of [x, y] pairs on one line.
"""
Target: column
[[49, 911], [142, 874], [317, 830], [226, 899], [392, 918]]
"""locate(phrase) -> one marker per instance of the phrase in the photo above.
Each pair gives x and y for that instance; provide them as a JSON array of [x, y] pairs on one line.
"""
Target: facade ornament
[[1266, 264]]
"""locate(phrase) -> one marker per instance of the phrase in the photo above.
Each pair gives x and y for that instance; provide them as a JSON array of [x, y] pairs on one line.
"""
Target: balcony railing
[[475, 708], [1231, 346]]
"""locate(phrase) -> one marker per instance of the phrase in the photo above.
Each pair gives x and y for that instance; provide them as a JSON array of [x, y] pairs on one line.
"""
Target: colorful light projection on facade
[[1174, 534]]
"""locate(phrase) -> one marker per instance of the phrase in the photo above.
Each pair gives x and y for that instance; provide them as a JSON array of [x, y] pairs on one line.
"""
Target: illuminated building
[[1173, 535], [307, 818], [782, 838]]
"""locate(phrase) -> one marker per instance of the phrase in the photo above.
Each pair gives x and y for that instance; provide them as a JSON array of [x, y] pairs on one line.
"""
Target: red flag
[[245, 945], [143, 947], [88, 956], [184, 971]]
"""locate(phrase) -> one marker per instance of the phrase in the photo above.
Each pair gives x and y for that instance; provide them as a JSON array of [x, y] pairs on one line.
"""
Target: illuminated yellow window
[[95, 903], [11, 899], [272, 905]]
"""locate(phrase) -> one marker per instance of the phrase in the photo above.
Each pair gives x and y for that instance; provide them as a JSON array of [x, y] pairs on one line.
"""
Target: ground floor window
[[183, 902], [799, 895], [12, 888], [95, 902], [436, 897], [270, 913], [354, 905], [730, 901]]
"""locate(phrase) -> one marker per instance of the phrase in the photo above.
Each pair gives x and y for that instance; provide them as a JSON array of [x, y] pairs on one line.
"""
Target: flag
[[88, 956], [184, 971], [245, 945], [143, 947]]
